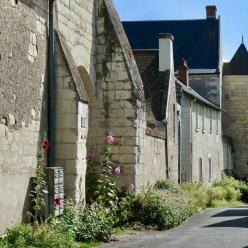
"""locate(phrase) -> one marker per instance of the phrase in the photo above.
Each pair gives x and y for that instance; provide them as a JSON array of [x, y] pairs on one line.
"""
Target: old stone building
[[235, 103], [157, 73], [76, 89], [198, 41], [201, 147]]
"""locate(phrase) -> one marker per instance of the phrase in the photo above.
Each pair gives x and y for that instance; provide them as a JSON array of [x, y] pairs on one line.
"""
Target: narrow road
[[215, 228]]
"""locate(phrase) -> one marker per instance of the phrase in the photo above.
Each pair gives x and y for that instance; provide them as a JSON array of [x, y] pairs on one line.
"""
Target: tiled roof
[[195, 40], [155, 84], [239, 63]]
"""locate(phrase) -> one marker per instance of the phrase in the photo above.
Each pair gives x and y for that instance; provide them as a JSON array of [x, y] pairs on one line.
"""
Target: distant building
[[197, 41], [235, 104], [201, 156]]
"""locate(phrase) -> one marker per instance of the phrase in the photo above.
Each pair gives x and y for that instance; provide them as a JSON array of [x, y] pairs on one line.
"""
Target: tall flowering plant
[[39, 191], [107, 189]]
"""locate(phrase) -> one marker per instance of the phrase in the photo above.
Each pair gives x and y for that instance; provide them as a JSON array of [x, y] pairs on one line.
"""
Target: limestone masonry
[[164, 128]]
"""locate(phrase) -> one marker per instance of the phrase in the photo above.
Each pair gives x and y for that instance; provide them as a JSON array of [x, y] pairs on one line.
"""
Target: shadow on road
[[233, 212], [240, 223], [241, 211]]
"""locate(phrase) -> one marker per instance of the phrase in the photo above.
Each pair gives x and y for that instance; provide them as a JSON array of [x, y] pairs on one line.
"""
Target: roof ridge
[[169, 20]]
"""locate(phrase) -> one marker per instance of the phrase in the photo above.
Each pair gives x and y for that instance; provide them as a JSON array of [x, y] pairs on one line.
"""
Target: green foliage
[[39, 191], [107, 193], [164, 209], [107, 189], [244, 192], [94, 224], [42, 236], [198, 196], [70, 220], [224, 192], [166, 185], [125, 213]]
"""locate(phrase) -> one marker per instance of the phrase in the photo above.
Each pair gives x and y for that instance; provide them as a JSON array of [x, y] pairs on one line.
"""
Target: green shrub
[[244, 192], [42, 236], [164, 209], [224, 192], [70, 219], [166, 185], [198, 196], [94, 224]]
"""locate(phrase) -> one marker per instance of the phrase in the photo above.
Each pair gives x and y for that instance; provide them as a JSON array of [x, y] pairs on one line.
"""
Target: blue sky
[[234, 16]]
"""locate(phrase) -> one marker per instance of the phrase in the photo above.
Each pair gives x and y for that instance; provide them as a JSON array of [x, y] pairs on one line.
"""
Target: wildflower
[[116, 170], [46, 144], [91, 155], [110, 139], [131, 186], [57, 200]]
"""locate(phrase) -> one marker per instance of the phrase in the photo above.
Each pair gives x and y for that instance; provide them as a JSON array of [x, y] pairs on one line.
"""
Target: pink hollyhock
[[46, 144], [131, 186], [110, 139], [57, 200], [117, 170], [91, 155]]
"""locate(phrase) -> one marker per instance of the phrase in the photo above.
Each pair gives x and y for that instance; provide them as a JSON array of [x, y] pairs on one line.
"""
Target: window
[[210, 169], [211, 121], [203, 120], [200, 170], [174, 123], [197, 117], [217, 122]]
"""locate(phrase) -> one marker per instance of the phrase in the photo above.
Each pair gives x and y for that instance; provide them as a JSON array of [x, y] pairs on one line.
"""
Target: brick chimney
[[166, 59], [211, 12], [184, 72]]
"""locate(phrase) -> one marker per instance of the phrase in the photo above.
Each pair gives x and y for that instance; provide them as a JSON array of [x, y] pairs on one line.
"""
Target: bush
[[224, 192], [244, 192], [198, 196], [166, 185], [164, 209], [70, 219], [94, 224], [42, 236]]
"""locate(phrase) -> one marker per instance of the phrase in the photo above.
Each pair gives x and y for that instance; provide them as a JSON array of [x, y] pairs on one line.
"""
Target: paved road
[[215, 228]]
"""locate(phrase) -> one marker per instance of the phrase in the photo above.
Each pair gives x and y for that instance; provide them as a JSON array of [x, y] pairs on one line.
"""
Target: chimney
[[166, 61], [211, 11], [184, 72]]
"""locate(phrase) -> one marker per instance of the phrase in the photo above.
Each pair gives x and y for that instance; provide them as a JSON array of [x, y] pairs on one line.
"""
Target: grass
[[89, 245], [225, 203]]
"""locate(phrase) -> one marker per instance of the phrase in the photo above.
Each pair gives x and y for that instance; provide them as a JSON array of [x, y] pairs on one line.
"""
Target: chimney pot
[[166, 60], [211, 11], [184, 72]]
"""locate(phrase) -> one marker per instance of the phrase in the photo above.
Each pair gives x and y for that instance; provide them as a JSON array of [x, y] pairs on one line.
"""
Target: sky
[[233, 13]]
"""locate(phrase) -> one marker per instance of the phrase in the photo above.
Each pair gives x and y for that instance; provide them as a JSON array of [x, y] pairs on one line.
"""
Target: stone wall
[[172, 132], [76, 23], [71, 123], [154, 160], [235, 102], [200, 141], [22, 102], [118, 103]]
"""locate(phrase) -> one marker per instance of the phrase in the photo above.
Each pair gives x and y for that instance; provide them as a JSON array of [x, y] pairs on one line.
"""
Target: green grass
[[225, 203], [89, 245]]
